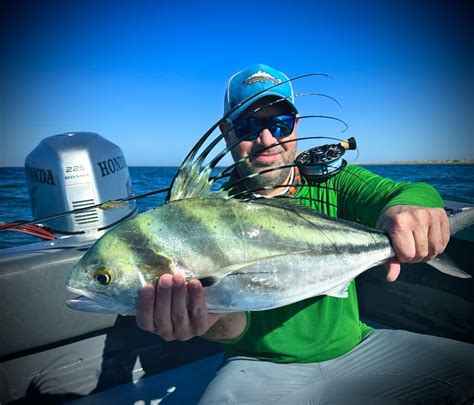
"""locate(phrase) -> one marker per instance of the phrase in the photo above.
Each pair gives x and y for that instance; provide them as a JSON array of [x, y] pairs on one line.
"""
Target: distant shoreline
[[420, 162], [401, 162]]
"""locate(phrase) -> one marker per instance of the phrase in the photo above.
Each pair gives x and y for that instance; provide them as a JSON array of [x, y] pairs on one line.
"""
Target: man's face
[[261, 158]]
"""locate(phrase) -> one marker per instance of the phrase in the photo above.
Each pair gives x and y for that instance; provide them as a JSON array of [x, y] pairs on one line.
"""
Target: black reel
[[322, 162]]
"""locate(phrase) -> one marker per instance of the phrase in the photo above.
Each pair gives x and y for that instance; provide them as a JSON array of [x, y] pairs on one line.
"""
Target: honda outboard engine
[[77, 170]]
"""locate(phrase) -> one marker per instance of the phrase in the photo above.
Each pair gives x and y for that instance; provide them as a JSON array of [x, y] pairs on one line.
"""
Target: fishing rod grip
[[349, 144]]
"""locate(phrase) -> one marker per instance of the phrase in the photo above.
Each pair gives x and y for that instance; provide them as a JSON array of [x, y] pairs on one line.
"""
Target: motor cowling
[[77, 170]]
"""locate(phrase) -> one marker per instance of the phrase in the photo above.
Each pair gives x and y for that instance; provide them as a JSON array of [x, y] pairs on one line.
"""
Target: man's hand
[[176, 310], [418, 234]]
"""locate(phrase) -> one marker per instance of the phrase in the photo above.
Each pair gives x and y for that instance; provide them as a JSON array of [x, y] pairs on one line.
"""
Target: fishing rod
[[317, 164], [224, 152], [231, 125], [107, 205], [192, 153], [322, 162], [120, 202]]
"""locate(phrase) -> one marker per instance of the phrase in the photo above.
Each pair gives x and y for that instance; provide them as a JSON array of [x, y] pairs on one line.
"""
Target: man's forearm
[[228, 327]]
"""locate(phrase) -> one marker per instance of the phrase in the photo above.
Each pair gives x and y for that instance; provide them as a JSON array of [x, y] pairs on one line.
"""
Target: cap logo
[[260, 76]]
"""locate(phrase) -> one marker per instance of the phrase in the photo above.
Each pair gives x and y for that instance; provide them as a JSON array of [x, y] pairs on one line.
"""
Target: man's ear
[[223, 126]]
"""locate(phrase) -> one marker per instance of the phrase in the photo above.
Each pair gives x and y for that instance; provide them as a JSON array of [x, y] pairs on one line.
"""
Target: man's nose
[[265, 138]]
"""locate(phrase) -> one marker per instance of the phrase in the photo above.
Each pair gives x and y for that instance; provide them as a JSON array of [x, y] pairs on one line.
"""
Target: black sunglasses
[[280, 126]]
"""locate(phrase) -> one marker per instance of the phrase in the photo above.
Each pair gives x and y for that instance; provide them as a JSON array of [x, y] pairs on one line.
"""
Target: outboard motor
[[76, 170]]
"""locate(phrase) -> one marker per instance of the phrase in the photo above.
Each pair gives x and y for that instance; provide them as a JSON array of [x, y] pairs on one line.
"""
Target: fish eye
[[103, 276]]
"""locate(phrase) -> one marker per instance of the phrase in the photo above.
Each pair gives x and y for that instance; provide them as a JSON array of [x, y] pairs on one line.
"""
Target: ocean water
[[454, 182]]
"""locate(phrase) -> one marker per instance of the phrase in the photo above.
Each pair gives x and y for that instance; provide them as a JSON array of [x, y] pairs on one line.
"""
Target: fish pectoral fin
[[213, 278], [209, 281], [219, 274], [341, 291]]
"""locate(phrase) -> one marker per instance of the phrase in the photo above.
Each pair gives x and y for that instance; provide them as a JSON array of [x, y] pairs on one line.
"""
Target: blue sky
[[150, 75]]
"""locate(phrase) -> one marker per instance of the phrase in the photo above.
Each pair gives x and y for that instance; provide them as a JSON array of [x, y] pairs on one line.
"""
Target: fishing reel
[[322, 162]]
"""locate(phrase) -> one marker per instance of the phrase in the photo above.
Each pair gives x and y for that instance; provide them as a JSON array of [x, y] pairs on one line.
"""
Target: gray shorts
[[388, 367]]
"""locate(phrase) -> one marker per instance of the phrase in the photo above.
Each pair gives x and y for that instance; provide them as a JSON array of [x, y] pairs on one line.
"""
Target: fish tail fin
[[457, 222], [446, 265]]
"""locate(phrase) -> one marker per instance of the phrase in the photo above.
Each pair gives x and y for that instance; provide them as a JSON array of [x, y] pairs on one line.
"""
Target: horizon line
[[394, 162]]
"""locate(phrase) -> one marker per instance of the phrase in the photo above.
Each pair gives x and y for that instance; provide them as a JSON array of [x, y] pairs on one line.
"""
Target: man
[[316, 350]]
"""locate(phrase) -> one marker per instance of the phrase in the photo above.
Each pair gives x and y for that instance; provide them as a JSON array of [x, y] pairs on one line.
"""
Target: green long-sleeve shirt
[[322, 328]]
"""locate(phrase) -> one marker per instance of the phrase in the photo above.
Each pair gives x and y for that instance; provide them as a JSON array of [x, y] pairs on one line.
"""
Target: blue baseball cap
[[252, 80]]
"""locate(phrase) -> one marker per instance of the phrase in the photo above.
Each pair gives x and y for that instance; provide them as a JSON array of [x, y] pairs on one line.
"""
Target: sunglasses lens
[[248, 128], [280, 126]]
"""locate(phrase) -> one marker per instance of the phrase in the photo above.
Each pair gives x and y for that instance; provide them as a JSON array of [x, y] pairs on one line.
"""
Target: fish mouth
[[97, 303], [80, 292]]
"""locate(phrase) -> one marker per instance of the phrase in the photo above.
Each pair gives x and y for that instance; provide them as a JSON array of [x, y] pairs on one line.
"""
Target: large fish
[[250, 255]]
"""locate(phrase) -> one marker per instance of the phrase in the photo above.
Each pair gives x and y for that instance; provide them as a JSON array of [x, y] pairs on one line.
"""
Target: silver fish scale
[[274, 256], [262, 256], [286, 279]]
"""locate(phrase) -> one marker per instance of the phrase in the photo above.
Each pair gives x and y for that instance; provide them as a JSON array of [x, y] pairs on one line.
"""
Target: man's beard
[[273, 177]]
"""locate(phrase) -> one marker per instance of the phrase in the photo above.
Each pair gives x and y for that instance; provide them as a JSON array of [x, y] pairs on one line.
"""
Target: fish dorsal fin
[[193, 181]]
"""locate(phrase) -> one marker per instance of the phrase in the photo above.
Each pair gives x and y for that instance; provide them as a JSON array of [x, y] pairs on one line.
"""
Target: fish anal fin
[[341, 291]]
